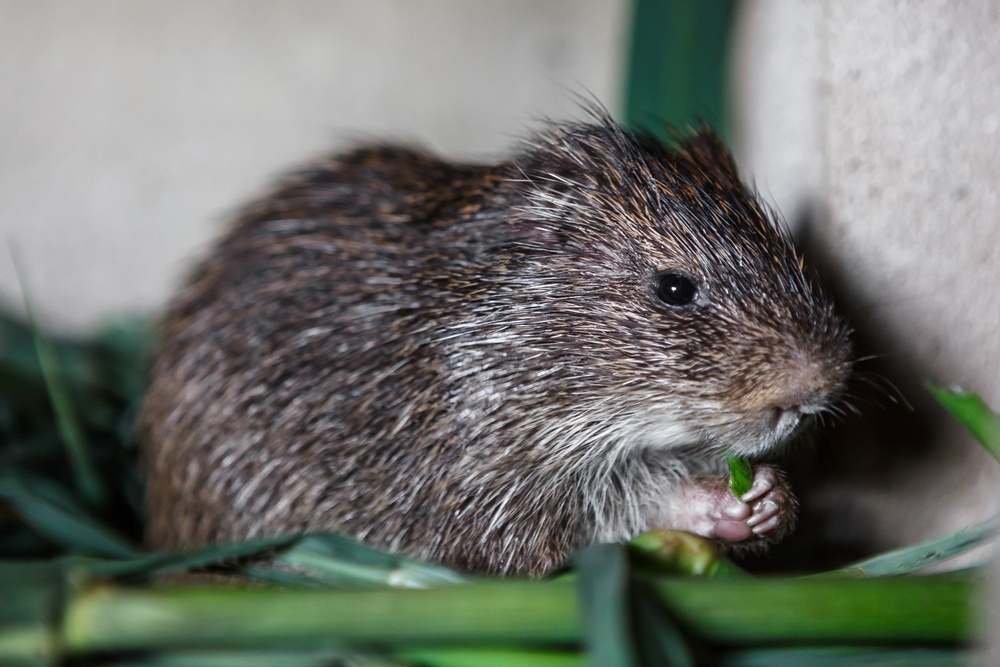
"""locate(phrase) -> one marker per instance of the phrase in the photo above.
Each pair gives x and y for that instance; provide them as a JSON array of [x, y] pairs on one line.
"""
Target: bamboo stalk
[[935, 608], [726, 612], [110, 618], [491, 657]]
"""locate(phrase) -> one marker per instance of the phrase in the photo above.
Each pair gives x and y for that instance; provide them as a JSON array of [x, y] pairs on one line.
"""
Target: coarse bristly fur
[[470, 363]]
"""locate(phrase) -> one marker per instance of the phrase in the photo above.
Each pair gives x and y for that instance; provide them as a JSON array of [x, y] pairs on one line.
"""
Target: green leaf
[[31, 595], [302, 561], [340, 560], [150, 565], [491, 657], [681, 553], [88, 481], [53, 512], [821, 656], [740, 474], [603, 584], [658, 637], [919, 556], [970, 409], [323, 657]]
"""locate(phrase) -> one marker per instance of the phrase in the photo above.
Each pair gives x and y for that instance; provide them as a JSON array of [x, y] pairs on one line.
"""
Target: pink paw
[[763, 514]]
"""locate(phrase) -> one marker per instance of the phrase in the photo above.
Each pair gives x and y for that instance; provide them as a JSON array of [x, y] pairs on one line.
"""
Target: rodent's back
[[475, 364], [275, 353]]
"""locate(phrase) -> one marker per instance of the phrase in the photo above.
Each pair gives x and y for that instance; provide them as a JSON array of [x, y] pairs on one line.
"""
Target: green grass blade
[[261, 574], [84, 471], [53, 512], [21, 382], [602, 578], [814, 656], [932, 552], [658, 638], [491, 657], [86, 477], [339, 560], [150, 565], [970, 409], [325, 657], [125, 345], [30, 599]]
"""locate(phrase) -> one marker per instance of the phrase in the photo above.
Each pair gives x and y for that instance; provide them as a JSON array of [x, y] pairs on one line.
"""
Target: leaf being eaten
[[740, 474]]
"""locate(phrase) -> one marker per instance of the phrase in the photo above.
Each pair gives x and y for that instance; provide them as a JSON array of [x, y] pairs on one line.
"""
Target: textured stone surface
[[914, 167], [894, 117], [128, 129]]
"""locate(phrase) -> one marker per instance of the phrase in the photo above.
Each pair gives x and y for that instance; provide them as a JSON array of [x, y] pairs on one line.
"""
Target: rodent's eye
[[676, 289]]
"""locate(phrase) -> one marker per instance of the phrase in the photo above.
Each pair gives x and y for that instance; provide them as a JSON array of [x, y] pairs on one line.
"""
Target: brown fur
[[469, 363]]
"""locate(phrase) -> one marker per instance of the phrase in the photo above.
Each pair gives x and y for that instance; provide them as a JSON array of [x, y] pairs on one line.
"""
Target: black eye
[[676, 289]]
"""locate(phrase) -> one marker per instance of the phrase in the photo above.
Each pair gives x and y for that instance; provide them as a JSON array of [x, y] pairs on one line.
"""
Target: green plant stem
[[491, 657], [935, 608], [677, 65], [233, 618]]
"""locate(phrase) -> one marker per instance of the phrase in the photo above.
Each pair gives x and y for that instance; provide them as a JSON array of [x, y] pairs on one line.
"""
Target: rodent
[[490, 366]]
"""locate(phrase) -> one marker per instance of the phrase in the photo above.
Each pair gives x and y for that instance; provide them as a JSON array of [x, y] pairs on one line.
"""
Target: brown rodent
[[490, 366]]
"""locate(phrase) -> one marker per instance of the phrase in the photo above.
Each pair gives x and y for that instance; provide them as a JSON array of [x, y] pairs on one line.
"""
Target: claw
[[767, 526], [707, 507], [763, 482], [762, 511]]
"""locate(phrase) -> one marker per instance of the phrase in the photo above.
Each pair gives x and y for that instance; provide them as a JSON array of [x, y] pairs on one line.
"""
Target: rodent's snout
[[784, 420], [799, 385], [792, 388]]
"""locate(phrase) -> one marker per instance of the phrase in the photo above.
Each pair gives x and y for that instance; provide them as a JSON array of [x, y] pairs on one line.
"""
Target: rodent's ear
[[706, 150], [538, 235], [547, 198]]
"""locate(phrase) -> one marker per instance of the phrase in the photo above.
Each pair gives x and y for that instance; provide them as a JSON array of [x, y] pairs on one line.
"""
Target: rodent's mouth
[[758, 434], [785, 420], [750, 434]]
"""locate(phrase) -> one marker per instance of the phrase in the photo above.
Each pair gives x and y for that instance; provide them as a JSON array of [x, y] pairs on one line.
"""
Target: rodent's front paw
[[772, 504], [765, 513]]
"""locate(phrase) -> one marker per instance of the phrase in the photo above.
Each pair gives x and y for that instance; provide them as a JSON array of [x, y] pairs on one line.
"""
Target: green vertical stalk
[[677, 67], [85, 475]]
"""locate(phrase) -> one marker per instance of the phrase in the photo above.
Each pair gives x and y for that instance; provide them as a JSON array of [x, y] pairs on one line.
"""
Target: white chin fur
[[665, 436], [764, 439]]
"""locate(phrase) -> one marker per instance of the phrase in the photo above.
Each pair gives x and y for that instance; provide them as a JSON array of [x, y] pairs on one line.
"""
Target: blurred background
[[130, 129]]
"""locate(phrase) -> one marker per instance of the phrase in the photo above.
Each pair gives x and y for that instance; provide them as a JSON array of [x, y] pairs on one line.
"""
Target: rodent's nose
[[801, 386], [802, 399]]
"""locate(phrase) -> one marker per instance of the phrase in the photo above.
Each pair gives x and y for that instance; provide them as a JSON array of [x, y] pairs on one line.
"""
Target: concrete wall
[[130, 128], [876, 125]]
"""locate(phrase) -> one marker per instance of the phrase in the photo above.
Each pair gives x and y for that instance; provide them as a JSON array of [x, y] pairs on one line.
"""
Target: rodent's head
[[655, 294]]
